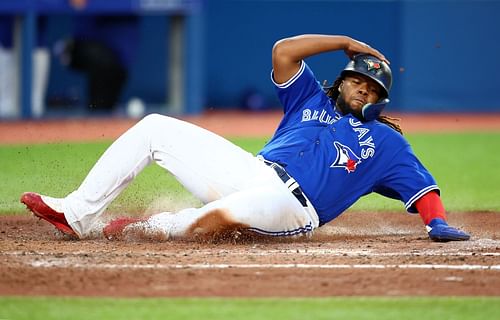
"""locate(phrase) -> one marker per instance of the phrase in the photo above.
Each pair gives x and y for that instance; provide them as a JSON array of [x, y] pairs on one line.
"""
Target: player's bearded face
[[355, 92]]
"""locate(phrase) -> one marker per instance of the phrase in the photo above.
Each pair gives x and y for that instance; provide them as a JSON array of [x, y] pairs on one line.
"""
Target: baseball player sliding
[[332, 147]]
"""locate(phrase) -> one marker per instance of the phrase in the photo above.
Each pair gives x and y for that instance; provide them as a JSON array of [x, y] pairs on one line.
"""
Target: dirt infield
[[390, 255], [360, 253]]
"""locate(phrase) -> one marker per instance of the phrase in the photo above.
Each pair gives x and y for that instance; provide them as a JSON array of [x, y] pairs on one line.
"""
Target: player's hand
[[354, 47], [439, 230]]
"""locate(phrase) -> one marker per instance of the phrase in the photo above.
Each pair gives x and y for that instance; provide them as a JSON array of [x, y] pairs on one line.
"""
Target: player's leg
[[207, 164], [267, 209]]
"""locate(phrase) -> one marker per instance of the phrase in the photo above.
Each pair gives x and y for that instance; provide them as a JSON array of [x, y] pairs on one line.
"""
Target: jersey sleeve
[[406, 179], [298, 89]]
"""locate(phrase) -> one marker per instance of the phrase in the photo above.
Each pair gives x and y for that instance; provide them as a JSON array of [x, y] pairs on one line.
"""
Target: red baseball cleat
[[35, 204], [114, 229]]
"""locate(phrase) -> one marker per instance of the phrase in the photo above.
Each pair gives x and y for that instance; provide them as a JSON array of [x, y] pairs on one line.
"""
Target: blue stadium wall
[[443, 53]]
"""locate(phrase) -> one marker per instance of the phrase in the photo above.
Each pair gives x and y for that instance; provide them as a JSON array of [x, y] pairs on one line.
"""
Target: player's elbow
[[281, 50]]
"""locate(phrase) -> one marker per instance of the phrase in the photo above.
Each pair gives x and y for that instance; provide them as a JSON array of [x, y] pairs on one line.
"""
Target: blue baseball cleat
[[439, 230]]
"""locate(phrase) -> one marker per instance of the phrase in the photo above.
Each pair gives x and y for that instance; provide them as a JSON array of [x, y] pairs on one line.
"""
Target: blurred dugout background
[[444, 54]]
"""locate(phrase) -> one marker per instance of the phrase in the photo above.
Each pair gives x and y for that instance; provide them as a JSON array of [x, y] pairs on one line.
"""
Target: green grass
[[213, 308], [466, 167]]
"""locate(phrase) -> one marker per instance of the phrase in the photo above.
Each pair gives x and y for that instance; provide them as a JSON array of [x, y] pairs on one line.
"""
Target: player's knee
[[152, 118], [153, 121]]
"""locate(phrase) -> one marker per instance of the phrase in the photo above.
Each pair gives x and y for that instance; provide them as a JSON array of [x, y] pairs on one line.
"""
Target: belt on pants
[[290, 182]]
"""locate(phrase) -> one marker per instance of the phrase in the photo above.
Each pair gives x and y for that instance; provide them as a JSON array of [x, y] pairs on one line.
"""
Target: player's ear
[[340, 86]]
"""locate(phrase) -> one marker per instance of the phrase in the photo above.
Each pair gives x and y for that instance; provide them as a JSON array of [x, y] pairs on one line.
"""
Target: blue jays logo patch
[[346, 158], [372, 65]]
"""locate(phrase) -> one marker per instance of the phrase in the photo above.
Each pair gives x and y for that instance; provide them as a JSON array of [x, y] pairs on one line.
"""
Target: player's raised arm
[[288, 52]]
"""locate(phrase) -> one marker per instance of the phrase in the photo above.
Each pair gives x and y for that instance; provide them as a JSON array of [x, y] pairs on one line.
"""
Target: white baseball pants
[[238, 189]]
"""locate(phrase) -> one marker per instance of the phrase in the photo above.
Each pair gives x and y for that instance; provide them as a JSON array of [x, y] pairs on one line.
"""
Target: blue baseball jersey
[[338, 159]]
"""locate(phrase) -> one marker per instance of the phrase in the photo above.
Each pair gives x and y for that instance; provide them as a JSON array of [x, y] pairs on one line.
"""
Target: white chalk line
[[66, 264], [262, 253]]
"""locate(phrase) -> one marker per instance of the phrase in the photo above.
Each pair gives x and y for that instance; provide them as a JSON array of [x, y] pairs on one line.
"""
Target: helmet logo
[[372, 65]]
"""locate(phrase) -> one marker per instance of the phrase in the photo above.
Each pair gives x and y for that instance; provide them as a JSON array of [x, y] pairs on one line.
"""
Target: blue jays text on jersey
[[338, 159]]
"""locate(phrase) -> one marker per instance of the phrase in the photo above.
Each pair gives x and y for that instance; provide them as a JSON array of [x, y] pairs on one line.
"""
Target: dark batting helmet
[[373, 68]]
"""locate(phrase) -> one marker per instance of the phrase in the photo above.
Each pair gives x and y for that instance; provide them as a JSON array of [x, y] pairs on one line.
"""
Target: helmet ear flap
[[372, 111]]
